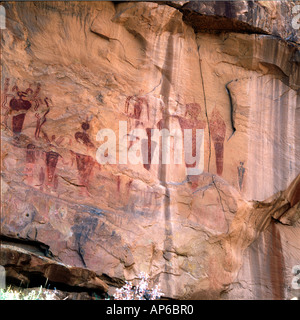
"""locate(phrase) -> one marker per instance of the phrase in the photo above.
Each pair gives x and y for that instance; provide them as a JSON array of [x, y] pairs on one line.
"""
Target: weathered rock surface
[[265, 17], [71, 69], [26, 266]]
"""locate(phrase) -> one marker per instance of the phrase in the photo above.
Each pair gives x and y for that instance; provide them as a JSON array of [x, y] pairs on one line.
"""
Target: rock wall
[[70, 69]]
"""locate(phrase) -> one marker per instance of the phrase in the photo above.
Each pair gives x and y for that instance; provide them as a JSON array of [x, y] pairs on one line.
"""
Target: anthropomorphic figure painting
[[191, 121], [85, 166], [41, 178], [17, 102], [135, 106], [241, 173], [51, 163], [41, 118], [30, 163], [138, 112], [83, 136], [147, 149], [48, 176], [218, 131], [85, 163]]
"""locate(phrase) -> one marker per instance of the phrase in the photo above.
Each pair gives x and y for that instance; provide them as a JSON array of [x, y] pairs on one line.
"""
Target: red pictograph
[[218, 131], [17, 102]]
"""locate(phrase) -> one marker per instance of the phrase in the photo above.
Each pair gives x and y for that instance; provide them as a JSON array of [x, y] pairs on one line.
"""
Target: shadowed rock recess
[[70, 69]]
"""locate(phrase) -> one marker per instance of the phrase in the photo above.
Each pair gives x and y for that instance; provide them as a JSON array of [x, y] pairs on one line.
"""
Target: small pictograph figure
[[241, 172]]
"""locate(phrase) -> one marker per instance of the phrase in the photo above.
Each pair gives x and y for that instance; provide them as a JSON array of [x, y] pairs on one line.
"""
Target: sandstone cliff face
[[231, 69]]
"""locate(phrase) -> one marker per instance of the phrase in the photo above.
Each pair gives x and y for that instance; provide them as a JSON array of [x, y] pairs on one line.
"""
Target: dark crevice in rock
[[72, 183], [231, 108], [113, 282], [214, 20], [34, 246], [215, 24], [226, 16]]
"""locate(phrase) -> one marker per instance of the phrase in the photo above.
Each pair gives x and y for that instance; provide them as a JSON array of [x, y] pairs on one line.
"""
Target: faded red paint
[[137, 103], [41, 119], [129, 183], [83, 137], [147, 166], [55, 182], [41, 178], [59, 140], [30, 163], [20, 102], [219, 152], [51, 162], [193, 110], [191, 121], [85, 166], [194, 181], [118, 183], [134, 106], [218, 131], [17, 123], [85, 163], [161, 124], [30, 153]]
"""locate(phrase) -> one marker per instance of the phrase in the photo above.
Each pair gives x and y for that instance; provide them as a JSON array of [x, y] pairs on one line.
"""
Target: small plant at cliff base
[[139, 292], [11, 294]]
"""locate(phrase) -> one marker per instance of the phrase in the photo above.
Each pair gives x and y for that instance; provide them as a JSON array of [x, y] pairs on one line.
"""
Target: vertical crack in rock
[[205, 105], [214, 183], [221, 202], [167, 72]]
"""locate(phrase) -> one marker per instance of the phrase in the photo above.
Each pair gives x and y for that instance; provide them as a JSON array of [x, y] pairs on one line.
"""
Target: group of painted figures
[[16, 103], [190, 120]]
